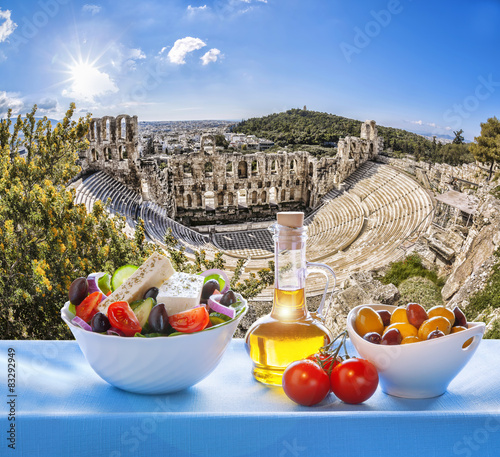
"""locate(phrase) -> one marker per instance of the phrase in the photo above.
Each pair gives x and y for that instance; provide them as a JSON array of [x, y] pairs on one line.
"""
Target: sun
[[83, 77], [87, 80]]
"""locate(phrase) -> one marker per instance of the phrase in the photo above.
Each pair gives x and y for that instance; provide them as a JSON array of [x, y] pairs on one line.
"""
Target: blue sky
[[423, 66]]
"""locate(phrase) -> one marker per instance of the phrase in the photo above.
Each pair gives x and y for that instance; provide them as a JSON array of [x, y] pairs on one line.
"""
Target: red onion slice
[[115, 331], [92, 279], [216, 271], [218, 308], [78, 321]]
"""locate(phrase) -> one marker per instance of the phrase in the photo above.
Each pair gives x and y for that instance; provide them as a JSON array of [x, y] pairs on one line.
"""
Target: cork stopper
[[291, 219]]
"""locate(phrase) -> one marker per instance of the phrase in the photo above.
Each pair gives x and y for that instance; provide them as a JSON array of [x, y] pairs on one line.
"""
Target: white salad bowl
[[417, 370], [157, 365]]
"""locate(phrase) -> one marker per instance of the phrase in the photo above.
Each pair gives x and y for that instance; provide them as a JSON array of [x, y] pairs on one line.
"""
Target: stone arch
[[370, 150], [230, 198], [283, 195], [242, 198], [242, 169], [293, 166], [123, 152], [94, 154], [255, 168], [186, 169], [229, 168], [123, 128], [108, 155], [189, 200], [105, 124], [292, 195], [263, 197], [199, 200], [220, 199], [209, 169], [254, 197], [311, 169], [274, 168], [204, 137], [209, 200], [273, 196]]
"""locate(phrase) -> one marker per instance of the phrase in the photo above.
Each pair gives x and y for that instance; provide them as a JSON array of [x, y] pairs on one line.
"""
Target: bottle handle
[[320, 268]]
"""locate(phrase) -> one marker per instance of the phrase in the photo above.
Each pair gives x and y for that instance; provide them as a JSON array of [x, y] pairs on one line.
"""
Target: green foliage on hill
[[410, 267], [297, 126]]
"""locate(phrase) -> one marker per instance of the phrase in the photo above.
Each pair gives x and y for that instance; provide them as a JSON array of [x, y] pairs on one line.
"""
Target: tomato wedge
[[190, 321], [122, 317], [88, 307]]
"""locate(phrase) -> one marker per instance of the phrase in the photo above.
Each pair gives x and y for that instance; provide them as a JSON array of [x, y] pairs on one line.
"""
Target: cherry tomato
[[122, 317], [190, 321], [305, 382], [325, 361], [88, 307], [354, 380]]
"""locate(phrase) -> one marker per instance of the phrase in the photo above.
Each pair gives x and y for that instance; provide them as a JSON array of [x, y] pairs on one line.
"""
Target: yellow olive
[[368, 320], [404, 329], [399, 315], [459, 328], [442, 311], [410, 340], [436, 322]]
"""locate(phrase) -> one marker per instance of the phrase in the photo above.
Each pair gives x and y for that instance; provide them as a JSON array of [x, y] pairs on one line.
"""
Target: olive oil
[[289, 332]]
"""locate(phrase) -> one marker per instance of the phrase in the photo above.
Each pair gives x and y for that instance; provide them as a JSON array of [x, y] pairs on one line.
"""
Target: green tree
[[459, 139], [46, 241], [220, 140], [486, 147]]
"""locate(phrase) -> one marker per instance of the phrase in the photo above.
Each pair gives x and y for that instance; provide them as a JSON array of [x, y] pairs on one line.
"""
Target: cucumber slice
[[104, 283], [143, 309], [121, 275], [72, 309], [218, 318]]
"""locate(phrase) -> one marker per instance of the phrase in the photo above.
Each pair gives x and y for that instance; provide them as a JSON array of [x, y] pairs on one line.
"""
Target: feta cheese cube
[[182, 291]]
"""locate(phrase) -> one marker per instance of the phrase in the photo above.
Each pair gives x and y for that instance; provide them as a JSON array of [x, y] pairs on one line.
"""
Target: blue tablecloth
[[63, 408]]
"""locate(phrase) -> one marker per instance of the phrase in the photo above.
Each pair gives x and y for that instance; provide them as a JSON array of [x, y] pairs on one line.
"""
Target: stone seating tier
[[358, 227]]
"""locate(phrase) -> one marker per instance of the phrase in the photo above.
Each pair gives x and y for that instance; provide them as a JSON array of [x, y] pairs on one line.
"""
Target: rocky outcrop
[[477, 251], [361, 288]]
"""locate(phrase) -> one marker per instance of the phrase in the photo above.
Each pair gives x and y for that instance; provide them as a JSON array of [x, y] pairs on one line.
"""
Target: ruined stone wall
[[114, 148], [211, 186], [441, 177], [237, 186]]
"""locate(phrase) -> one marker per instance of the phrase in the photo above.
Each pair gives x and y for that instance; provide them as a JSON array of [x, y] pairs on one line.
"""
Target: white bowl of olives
[[431, 355]]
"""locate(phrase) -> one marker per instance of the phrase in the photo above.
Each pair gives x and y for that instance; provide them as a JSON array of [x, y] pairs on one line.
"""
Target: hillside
[[297, 126]]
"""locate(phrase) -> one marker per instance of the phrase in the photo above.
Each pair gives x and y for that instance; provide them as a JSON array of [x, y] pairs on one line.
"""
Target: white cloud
[[10, 100], [125, 59], [92, 9], [210, 56], [182, 47], [89, 82], [194, 9], [417, 122], [47, 105], [136, 54], [7, 26]]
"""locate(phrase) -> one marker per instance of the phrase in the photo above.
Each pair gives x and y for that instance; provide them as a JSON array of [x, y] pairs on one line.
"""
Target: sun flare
[[87, 80]]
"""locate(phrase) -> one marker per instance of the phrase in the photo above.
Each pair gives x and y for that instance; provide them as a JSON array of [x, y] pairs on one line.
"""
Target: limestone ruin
[[213, 185]]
